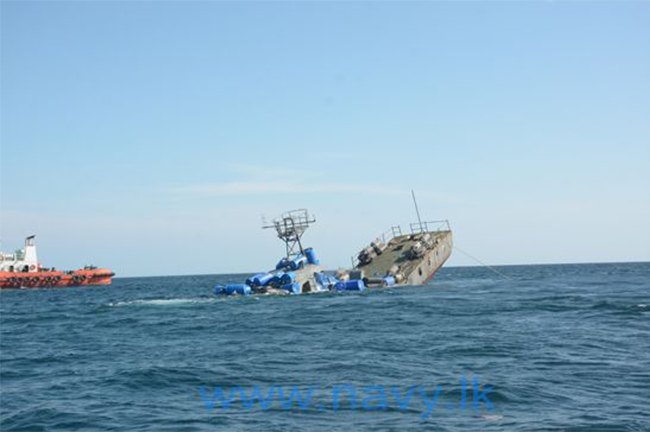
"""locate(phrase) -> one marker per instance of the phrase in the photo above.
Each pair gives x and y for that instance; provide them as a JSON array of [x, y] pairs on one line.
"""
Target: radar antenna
[[290, 227]]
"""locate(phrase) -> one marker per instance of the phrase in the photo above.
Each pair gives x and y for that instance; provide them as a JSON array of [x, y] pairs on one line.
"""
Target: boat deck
[[415, 271]]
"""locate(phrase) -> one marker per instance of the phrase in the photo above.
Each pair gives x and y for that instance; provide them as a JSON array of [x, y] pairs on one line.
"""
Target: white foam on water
[[161, 302], [492, 417]]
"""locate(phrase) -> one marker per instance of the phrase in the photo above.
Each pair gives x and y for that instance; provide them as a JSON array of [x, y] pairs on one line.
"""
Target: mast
[[290, 226], [417, 211]]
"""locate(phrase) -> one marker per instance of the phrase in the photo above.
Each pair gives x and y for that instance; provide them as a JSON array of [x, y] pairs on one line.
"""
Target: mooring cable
[[501, 274]]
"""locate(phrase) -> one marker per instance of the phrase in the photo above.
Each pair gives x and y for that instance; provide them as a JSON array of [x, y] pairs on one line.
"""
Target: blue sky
[[150, 137]]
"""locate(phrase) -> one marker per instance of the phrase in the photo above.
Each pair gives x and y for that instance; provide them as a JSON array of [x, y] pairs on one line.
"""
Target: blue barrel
[[292, 288], [297, 263], [356, 285], [321, 278], [219, 290], [276, 281], [238, 289], [263, 279], [282, 263], [389, 280], [287, 278], [327, 281], [259, 280], [311, 256]]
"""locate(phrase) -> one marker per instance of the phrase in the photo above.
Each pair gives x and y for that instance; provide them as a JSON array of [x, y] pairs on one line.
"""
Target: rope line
[[501, 274]]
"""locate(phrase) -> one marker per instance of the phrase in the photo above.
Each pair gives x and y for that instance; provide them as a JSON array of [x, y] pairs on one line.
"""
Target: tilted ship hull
[[413, 259], [407, 259]]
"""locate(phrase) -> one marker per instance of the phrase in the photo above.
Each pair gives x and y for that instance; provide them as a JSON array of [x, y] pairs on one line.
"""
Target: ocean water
[[562, 347]]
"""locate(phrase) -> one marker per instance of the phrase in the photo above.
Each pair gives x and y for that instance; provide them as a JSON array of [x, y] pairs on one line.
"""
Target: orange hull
[[50, 279]]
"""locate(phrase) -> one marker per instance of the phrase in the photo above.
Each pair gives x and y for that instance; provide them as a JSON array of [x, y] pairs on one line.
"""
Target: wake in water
[[163, 302]]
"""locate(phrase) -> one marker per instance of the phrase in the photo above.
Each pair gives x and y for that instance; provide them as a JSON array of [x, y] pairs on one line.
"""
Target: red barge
[[22, 270]]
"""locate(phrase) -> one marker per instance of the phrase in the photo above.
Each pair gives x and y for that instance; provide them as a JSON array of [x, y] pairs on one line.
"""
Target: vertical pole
[[417, 211]]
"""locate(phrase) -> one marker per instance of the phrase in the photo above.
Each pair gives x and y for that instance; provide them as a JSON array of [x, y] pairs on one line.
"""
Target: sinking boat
[[392, 259]]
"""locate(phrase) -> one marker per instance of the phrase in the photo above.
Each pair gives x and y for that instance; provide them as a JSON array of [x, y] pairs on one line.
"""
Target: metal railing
[[427, 226], [395, 231], [385, 237]]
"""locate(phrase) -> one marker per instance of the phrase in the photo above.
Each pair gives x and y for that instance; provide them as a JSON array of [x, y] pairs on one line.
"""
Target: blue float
[[320, 278], [351, 285], [389, 280], [238, 289], [325, 280], [276, 281], [259, 280], [282, 263], [233, 289], [297, 263], [311, 257], [331, 280], [287, 278]]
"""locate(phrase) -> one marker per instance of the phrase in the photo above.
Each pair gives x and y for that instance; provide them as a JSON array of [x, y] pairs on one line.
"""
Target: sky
[[152, 137]]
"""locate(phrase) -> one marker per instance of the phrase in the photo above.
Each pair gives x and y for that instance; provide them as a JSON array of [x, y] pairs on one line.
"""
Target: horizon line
[[453, 266]]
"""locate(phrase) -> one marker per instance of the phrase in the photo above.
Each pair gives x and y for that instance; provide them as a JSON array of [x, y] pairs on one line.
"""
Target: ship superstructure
[[22, 260], [299, 271]]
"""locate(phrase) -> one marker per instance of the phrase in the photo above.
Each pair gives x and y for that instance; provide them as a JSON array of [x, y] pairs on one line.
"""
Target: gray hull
[[411, 269]]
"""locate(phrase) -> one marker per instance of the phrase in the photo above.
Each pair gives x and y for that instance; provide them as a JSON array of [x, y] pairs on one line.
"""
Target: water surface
[[564, 347]]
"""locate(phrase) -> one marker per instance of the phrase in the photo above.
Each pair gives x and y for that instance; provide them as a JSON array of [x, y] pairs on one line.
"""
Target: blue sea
[[553, 347]]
